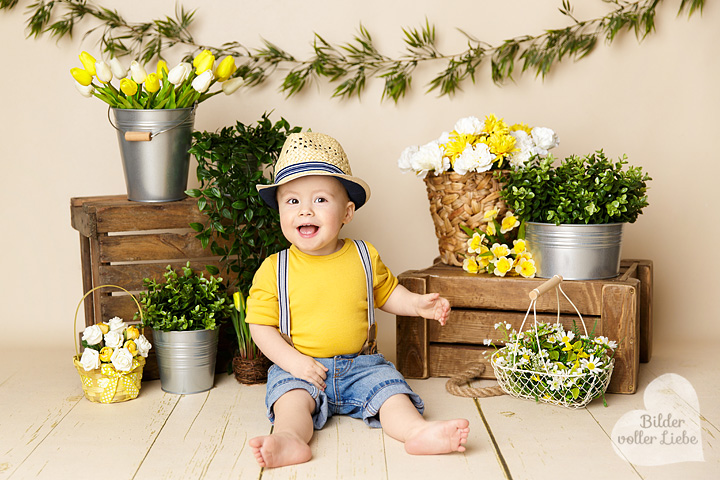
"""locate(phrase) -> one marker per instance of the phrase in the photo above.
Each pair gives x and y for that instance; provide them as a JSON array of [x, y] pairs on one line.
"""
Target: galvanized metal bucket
[[186, 360], [575, 252], [154, 147]]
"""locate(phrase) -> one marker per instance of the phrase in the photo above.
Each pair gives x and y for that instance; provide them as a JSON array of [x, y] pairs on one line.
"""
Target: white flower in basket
[[548, 364]]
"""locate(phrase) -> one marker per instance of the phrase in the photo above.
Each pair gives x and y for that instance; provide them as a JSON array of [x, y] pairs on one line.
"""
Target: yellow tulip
[[132, 348], [162, 67], [82, 76], [200, 57], [128, 87], [88, 62], [106, 354], [205, 64], [225, 68], [152, 83], [132, 333]]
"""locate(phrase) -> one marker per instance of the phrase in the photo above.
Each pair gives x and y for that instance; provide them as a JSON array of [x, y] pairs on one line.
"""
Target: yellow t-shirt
[[328, 298]]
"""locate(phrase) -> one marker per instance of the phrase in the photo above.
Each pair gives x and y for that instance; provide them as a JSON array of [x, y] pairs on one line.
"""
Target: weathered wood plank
[[157, 246], [620, 303], [130, 276], [412, 346], [446, 360]]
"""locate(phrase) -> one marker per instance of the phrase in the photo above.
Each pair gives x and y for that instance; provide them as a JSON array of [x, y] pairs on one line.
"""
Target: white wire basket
[[525, 370]]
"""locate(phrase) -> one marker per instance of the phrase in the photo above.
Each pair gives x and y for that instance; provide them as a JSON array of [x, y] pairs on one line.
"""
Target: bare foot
[[279, 449], [439, 437]]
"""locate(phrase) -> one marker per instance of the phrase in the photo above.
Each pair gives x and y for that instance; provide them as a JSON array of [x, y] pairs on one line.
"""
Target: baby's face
[[313, 209]]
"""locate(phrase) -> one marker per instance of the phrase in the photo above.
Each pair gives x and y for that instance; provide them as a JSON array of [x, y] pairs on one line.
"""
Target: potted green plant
[[574, 213], [241, 228], [184, 313]]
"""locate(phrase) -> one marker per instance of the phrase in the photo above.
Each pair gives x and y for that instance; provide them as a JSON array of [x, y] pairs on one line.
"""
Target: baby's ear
[[349, 212]]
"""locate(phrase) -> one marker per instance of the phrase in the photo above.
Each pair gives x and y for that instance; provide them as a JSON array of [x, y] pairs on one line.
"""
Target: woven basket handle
[[545, 287], [83, 299]]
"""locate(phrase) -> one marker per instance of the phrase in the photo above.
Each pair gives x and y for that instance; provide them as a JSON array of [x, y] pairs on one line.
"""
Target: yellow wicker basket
[[105, 384], [461, 200]]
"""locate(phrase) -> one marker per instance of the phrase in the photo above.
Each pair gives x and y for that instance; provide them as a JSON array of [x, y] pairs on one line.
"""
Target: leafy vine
[[350, 65]]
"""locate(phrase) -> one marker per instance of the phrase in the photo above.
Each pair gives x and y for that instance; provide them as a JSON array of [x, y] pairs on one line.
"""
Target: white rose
[[90, 359], [116, 324], [404, 162], [92, 335], [429, 157], [469, 126], [143, 346], [122, 360], [114, 339], [544, 139]]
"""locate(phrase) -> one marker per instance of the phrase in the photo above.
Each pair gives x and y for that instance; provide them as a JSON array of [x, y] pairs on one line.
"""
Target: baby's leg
[[288, 444], [401, 420]]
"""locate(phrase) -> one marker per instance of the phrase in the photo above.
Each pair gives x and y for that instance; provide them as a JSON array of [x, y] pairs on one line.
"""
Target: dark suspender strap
[[367, 266], [283, 297]]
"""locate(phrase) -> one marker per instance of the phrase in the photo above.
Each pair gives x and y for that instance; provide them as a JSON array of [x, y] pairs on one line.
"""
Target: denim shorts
[[356, 385]]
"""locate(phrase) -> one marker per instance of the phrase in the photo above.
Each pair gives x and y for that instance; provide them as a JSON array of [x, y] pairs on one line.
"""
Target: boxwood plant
[[590, 190]]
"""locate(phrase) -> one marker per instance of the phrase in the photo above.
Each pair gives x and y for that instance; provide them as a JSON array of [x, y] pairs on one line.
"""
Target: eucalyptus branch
[[350, 65]]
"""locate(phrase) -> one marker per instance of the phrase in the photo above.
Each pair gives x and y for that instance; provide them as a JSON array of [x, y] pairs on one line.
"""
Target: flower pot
[[154, 148], [575, 252], [251, 371], [186, 360]]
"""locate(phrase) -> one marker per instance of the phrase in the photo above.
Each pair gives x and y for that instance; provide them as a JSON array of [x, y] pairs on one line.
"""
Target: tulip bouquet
[[489, 251], [181, 87], [475, 145], [114, 343]]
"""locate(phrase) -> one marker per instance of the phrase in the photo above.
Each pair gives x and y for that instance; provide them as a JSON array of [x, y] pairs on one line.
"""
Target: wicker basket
[[460, 200], [525, 383], [251, 371], [105, 384]]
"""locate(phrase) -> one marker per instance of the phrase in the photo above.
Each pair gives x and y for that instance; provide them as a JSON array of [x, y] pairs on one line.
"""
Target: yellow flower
[[88, 62], [526, 268], [132, 348], [490, 229], [470, 265], [200, 56], [501, 144], [162, 67], [152, 83], [509, 222], [205, 62], [225, 68], [239, 301], [484, 261], [519, 246], [104, 327], [502, 266], [491, 214], [493, 125], [500, 250], [521, 126], [128, 87], [132, 333], [106, 354], [82, 76], [456, 145], [475, 243]]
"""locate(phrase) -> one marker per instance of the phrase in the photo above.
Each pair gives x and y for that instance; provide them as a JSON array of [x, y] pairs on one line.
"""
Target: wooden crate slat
[[621, 302], [449, 360], [117, 306], [131, 276], [123, 215], [159, 246]]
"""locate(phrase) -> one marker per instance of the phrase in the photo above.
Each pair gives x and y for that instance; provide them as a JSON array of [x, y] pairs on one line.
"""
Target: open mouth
[[308, 230]]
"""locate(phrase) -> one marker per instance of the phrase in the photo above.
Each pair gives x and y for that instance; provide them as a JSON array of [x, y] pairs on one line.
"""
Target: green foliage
[[351, 64], [591, 190], [246, 347], [184, 302], [230, 163]]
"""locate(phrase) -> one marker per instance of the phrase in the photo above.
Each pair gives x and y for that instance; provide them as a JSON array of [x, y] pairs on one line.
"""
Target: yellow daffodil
[[82, 76], [131, 333], [88, 62], [502, 266], [490, 215], [106, 354], [484, 260], [103, 72], [162, 67], [138, 72], [132, 347], [205, 63], [519, 246], [490, 229], [475, 243], [128, 87], [470, 265], [232, 85], [152, 83], [500, 250], [509, 222], [225, 68], [526, 268], [493, 125]]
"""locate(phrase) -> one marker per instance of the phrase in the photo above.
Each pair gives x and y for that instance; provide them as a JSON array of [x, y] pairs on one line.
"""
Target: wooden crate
[[619, 308], [123, 242]]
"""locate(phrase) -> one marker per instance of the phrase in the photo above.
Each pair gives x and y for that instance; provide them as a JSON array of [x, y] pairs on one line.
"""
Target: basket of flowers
[[459, 173], [548, 364], [112, 361]]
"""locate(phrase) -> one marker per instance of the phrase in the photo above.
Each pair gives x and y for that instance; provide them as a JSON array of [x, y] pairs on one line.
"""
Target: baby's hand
[[307, 368], [434, 307]]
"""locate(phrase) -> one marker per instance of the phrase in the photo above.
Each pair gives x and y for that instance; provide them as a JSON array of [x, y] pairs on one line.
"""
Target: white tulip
[[118, 69], [179, 73], [202, 81], [103, 72], [230, 86], [85, 91], [138, 72]]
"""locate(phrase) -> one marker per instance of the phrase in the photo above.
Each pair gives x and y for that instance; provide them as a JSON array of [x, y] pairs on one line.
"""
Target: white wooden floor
[[48, 430]]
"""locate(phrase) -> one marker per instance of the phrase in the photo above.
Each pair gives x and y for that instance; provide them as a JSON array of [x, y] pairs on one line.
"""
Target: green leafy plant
[[184, 302], [590, 190], [241, 229], [351, 64]]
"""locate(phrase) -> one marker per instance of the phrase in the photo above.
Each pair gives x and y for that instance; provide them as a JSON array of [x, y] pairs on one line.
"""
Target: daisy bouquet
[[490, 251], [475, 145], [550, 364]]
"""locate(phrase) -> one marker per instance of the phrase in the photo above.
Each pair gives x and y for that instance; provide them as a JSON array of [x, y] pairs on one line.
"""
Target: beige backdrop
[[656, 101]]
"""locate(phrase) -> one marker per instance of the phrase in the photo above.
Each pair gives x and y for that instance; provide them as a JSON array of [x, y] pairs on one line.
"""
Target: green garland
[[351, 64]]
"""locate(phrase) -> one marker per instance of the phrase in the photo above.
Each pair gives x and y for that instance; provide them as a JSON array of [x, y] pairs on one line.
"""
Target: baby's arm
[[403, 302], [269, 340]]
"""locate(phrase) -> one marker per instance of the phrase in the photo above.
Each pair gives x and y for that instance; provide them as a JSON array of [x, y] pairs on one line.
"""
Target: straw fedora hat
[[311, 153]]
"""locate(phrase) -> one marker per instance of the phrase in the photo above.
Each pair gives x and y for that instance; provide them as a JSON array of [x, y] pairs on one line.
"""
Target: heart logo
[[668, 431]]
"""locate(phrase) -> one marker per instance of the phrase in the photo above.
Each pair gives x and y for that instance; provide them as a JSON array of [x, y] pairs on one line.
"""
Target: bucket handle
[[147, 136]]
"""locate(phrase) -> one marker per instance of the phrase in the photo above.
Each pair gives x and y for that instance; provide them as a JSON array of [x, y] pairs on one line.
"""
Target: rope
[[454, 387]]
